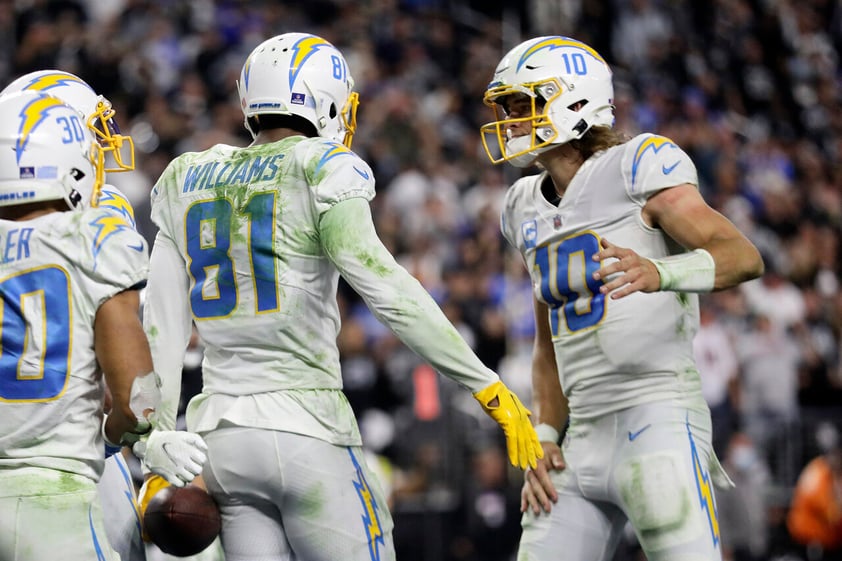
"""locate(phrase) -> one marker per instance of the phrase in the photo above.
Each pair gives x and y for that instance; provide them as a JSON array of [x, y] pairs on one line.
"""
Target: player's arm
[[176, 456], [123, 355], [168, 324], [719, 256], [398, 300], [551, 412]]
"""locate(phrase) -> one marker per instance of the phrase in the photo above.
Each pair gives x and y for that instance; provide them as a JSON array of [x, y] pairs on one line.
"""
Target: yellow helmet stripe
[[555, 43], [53, 80]]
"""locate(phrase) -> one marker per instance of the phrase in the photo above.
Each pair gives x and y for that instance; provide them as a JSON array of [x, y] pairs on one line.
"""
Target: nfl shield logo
[[556, 221], [297, 98]]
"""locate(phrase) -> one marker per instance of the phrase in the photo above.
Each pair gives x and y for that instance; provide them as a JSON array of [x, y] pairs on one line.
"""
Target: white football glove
[[175, 455]]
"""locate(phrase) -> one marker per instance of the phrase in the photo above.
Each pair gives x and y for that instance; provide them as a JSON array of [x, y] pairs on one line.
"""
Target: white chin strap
[[520, 144]]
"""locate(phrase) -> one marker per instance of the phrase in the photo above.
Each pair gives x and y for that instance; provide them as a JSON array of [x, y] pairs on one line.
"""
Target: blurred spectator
[[769, 360], [488, 523], [775, 297], [815, 517], [742, 510], [718, 369]]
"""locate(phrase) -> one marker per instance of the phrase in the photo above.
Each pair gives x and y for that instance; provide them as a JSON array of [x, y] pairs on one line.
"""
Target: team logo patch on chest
[[529, 232]]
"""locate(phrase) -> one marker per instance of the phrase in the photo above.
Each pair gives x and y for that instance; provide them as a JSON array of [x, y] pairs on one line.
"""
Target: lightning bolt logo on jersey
[[31, 116], [112, 199], [106, 226], [654, 143], [336, 150]]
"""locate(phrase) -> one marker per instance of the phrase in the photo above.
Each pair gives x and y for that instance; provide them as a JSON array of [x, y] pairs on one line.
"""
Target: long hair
[[597, 139]]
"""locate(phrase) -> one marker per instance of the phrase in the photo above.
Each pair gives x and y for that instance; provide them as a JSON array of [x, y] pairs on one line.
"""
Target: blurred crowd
[[749, 88]]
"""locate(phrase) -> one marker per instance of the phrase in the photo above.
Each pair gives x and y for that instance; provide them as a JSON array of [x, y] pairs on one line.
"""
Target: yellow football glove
[[513, 418], [149, 489]]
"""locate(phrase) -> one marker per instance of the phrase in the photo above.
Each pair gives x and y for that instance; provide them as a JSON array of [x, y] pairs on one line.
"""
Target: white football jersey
[[262, 291], [242, 251], [55, 272], [611, 354]]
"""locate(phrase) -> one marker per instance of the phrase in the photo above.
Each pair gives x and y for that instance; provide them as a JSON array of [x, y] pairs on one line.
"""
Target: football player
[[619, 243], [98, 115], [116, 488], [69, 281], [251, 245]]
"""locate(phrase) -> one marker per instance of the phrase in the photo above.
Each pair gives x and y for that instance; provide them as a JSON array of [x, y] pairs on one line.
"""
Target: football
[[182, 521]]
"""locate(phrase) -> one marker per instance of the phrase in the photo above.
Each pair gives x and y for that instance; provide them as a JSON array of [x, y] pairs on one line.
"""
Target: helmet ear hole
[[578, 105], [333, 111]]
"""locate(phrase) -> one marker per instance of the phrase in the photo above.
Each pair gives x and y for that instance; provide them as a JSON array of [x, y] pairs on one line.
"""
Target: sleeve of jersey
[[395, 297], [168, 324], [507, 218], [652, 163], [338, 174], [161, 192], [120, 255]]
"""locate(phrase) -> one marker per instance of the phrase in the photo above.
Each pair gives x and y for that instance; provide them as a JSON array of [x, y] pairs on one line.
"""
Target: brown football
[[182, 521]]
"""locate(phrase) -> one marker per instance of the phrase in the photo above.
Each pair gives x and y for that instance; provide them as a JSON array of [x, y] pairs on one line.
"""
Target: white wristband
[[694, 271], [547, 433]]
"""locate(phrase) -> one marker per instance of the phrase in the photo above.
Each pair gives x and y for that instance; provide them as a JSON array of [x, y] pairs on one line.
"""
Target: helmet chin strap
[[527, 158]]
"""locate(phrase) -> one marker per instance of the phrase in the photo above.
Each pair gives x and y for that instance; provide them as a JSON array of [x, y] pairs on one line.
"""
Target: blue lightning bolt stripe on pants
[[292, 497], [651, 465]]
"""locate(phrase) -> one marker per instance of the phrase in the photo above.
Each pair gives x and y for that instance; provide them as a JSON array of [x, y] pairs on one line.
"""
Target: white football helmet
[[96, 111], [304, 75], [569, 85], [46, 152]]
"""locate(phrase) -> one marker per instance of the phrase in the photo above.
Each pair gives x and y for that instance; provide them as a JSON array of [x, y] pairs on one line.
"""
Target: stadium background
[[750, 89]]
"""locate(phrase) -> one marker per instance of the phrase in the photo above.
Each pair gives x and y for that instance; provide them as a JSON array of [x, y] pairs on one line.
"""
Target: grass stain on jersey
[[684, 323]]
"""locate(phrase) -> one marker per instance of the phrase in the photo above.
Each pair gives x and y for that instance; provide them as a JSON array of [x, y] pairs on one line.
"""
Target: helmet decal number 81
[[340, 72], [567, 283]]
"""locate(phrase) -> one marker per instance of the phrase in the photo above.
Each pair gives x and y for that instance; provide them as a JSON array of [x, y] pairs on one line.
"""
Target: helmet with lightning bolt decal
[[302, 75], [46, 152]]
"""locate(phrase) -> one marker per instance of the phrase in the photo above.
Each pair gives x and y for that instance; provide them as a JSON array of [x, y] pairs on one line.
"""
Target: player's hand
[[538, 492], [149, 489], [638, 274], [175, 455], [504, 407]]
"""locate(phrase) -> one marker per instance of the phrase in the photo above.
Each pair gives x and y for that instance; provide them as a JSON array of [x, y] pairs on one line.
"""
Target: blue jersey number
[[209, 238], [567, 283], [35, 335]]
